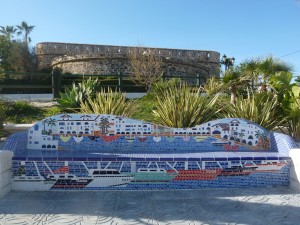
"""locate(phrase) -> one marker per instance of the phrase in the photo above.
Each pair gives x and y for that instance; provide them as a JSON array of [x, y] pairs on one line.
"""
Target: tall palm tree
[[25, 29], [8, 31]]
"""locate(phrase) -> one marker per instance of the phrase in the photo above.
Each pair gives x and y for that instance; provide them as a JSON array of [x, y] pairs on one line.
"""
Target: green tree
[[8, 31], [16, 55], [25, 29], [21, 58], [5, 45]]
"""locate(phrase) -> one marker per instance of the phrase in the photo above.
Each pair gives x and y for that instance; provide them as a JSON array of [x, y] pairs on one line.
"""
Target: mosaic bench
[[107, 152]]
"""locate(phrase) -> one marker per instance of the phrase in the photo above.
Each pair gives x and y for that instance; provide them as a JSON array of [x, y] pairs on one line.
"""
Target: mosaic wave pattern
[[106, 152]]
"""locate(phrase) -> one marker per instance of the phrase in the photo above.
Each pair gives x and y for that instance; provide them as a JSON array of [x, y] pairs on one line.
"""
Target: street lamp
[[227, 62]]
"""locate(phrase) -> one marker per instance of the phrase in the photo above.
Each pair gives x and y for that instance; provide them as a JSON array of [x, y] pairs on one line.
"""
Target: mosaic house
[[107, 152]]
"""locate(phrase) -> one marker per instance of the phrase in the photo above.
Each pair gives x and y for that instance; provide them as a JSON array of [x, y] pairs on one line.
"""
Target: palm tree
[[241, 135], [104, 125], [268, 67], [250, 68], [265, 139], [25, 29], [44, 122], [51, 123], [8, 31], [234, 79]]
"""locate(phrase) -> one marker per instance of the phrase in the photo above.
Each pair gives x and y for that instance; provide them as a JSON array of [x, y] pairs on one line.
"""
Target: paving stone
[[257, 206]]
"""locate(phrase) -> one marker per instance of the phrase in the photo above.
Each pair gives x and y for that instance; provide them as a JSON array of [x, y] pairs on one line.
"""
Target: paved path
[[258, 206]]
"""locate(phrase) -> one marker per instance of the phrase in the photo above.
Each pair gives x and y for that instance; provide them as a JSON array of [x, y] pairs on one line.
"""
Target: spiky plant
[[262, 109], [183, 106], [212, 86], [71, 98], [108, 102]]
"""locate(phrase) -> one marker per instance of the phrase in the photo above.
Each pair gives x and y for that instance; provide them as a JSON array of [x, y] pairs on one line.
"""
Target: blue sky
[[244, 29]]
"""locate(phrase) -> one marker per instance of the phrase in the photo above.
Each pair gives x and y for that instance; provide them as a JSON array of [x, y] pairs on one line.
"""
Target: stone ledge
[[5, 161], [5, 178], [5, 172], [295, 169], [5, 190]]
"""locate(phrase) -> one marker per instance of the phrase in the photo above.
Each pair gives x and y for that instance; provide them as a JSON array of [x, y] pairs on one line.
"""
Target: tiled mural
[[100, 152]]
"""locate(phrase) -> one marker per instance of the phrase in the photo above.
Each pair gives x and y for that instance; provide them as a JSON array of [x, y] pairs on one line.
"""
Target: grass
[[145, 106]]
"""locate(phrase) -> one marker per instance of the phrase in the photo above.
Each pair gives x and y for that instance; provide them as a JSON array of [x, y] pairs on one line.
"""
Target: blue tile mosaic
[[106, 152]]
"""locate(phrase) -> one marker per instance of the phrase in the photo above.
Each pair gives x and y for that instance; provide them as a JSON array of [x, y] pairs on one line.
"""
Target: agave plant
[[182, 106], [262, 109], [108, 102], [71, 98]]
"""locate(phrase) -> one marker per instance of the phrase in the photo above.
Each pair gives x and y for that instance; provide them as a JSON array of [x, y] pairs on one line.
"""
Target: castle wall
[[106, 60]]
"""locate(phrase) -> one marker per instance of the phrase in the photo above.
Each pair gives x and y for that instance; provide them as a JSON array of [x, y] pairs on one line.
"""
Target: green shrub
[[144, 108], [51, 111], [21, 112]]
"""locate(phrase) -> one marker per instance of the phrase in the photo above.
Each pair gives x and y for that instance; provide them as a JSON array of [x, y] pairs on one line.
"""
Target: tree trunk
[[264, 88], [233, 95]]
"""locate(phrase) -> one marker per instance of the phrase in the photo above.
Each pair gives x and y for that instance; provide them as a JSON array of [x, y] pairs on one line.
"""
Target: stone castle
[[111, 60]]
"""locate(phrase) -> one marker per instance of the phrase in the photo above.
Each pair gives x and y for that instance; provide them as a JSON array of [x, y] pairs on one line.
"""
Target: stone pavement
[[215, 206]]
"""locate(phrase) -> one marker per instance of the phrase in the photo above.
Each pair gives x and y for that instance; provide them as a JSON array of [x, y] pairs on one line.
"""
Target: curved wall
[[106, 59]]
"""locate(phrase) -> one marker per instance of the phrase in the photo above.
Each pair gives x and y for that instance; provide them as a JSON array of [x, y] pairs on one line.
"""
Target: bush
[[51, 111], [21, 112]]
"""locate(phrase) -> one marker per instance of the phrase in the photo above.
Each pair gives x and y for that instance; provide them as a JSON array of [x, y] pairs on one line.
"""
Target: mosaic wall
[[100, 152], [108, 133]]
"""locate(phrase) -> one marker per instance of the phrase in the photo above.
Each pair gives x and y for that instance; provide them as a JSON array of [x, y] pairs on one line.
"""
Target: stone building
[[112, 60]]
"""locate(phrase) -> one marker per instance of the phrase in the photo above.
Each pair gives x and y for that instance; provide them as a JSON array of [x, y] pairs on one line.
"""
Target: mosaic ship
[[156, 175], [31, 183], [96, 178]]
